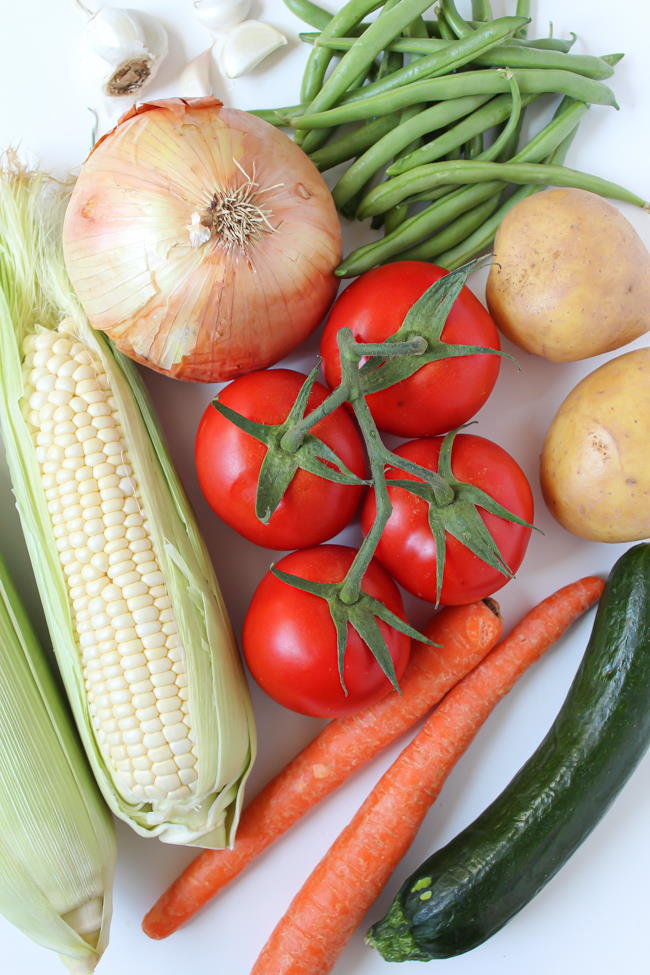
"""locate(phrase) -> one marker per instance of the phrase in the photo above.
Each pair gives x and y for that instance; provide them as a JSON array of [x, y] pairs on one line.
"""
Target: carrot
[[465, 635], [336, 896]]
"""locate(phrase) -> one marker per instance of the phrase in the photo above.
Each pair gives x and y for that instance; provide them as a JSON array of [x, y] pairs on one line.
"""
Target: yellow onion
[[201, 239]]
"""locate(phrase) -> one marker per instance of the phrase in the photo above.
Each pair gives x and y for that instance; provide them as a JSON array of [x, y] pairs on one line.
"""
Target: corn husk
[[57, 846], [35, 293]]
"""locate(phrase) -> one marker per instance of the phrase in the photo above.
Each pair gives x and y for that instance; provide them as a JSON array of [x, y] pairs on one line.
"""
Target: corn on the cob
[[57, 845], [137, 622]]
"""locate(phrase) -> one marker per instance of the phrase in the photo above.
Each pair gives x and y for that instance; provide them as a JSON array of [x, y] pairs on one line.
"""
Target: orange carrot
[[465, 635], [336, 896]]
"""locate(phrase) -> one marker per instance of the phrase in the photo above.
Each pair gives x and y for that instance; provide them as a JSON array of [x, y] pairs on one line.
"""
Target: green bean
[[489, 115], [309, 12], [509, 146], [481, 10], [490, 82], [348, 16], [523, 10], [280, 117], [365, 167], [510, 131], [549, 43], [445, 31], [355, 62], [417, 28], [455, 232], [353, 143], [483, 236], [417, 227], [459, 26], [396, 217], [475, 171], [427, 178], [612, 59], [474, 147], [440, 61], [508, 55], [521, 56]]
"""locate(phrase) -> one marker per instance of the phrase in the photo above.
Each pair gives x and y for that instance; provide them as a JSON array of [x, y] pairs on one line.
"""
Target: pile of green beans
[[428, 113]]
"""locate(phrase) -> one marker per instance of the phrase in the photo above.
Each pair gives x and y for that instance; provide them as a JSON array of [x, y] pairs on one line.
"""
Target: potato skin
[[571, 277], [595, 464]]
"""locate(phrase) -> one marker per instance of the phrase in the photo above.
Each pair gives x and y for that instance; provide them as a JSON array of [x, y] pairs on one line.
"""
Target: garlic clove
[[196, 77], [247, 45], [123, 49], [221, 15]]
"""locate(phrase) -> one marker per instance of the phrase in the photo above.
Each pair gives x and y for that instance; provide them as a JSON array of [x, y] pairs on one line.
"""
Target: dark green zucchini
[[466, 891]]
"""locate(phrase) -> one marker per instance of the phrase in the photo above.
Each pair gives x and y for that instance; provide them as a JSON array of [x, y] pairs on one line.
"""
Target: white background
[[593, 916]]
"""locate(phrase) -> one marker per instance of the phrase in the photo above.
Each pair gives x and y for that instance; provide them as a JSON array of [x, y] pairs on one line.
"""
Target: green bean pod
[[399, 137], [454, 233], [481, 10], [309, 12], [355, 62], [489, 115], [353, 143], [549, 43], [488, 82], [470, 171], [458, 25], [500, 148], [426, 178], [507, 55], [440, 61], [318, 61], [417, 227]]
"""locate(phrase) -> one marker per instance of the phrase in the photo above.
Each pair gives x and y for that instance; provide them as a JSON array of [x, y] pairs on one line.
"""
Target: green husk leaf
[[56, 863], [37, 295]]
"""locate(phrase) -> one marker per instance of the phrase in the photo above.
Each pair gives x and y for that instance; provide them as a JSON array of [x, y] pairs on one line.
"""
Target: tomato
[[228, 463], [441, 395], [289, 639], [407, 548]]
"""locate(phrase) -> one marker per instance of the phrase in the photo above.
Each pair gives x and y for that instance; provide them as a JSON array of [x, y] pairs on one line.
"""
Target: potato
[[571, 277], [595, 465]]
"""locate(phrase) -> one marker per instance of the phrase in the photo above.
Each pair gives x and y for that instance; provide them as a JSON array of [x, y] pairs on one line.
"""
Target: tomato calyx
[[362, 614], [458, 516], [425, 321], [284, 456]]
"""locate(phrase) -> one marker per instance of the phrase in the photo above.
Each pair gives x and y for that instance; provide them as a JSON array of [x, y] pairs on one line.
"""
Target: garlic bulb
[[123, 49], [201, 239], [247, 45], [220, 15]]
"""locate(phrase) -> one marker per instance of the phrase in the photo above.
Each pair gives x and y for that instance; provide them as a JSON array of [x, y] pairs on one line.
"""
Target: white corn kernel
[[122, 613]]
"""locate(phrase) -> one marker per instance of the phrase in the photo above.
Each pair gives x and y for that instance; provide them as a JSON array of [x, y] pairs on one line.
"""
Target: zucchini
[[466, 891]]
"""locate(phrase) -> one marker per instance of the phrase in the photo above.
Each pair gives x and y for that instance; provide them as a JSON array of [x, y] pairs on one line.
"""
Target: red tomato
[[441, 395], [228, 463], [407, 549], [289, 639]]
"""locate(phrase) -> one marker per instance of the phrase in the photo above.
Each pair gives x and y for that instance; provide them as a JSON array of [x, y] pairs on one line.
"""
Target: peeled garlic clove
[[247, 45], [196, 77], [123, 49], [221, 14]]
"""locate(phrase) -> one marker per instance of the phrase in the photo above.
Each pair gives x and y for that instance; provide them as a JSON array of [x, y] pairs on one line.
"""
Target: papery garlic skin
[[123, 49], [221, 15], [248, 45], [197, 306]]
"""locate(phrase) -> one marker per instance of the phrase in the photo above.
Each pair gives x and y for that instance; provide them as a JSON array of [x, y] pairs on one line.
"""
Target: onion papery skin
[[212, 312]]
